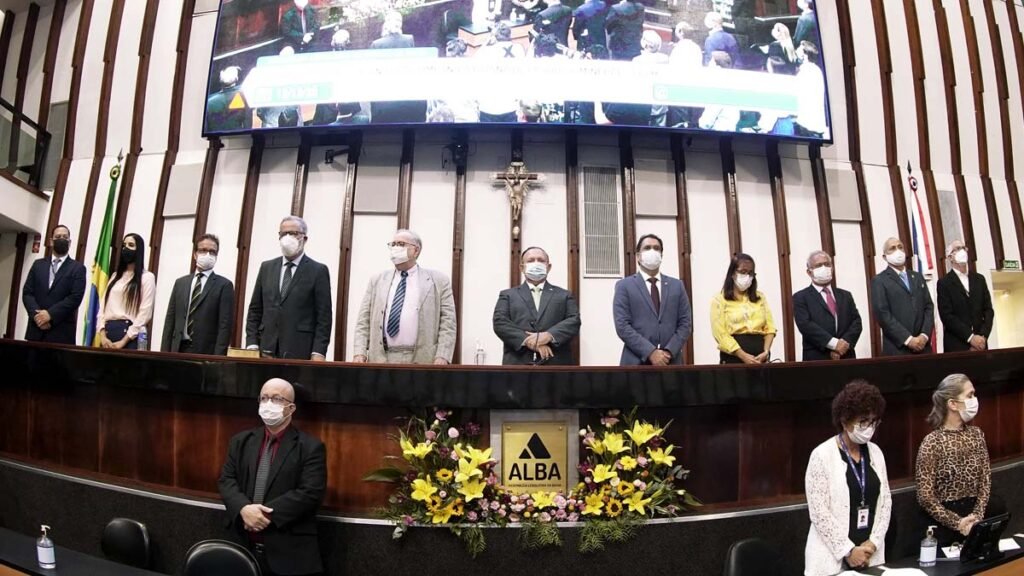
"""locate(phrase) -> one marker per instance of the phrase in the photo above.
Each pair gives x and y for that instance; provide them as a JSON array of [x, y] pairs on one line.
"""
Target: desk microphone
[[536, 339], [384, 328]]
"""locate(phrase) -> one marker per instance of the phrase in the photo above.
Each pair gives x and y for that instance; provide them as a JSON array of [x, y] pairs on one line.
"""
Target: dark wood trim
[[778, 187], [732, 201], [13, 305], [6, 33], [205, 196], [28, 38], [1018, 43], [10, 178], [87, 206], [572, 216], [683, 241], [301, 176], [173, 135], [405, 177], [460, 158], [516, 237], [627, 174], [1018, 52], [355, 145], [252, 183], [867, 234], [50, 61], [824, 203]]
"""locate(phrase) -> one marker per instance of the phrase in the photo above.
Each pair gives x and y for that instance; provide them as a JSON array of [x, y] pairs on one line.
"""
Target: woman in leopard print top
[[953, 475]]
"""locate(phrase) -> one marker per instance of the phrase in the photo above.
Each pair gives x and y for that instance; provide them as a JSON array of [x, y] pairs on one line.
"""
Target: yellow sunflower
[[613, 508], [444, 475], [625, 488]]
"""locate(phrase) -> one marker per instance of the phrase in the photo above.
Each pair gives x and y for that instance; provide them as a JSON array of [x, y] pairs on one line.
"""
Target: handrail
[[42, 144], [21, 117]]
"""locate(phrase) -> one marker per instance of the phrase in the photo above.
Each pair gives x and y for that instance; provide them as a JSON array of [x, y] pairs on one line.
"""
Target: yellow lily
[[637, 502], [642, 432], [543, 499], [472, 490], [410, 451], [627, 462], [442, 515], [422, 489], [661, 456], [466, 471], [614, 443], [604, 472], [476, 457], [596, 446], [594, 505]]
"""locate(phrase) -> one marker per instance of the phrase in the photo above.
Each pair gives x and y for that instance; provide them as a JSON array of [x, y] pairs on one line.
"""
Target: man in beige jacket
[[408, 312]]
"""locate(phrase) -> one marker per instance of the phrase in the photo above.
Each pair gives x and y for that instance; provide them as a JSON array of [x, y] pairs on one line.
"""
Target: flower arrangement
[[629, 475]]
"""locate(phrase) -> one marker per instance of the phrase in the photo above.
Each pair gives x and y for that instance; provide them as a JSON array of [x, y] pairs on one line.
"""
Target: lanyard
[[861, 476]]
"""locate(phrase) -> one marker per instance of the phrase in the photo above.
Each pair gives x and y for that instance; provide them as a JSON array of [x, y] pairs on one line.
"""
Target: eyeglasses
[[872, 422], [399, 244], [205, 252], [276, 399], [295, 233]]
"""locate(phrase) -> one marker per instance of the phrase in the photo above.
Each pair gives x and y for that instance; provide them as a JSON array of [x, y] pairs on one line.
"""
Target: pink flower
[[574, 517], [502, 512], [513, 518], [471, 516], [561, 515], [545, 517], [453, 433], [560, 501], [495, 505], [472, 429], [407, 520], [442, 494], [431, 435], [441, 414], [492, 480], [513, 499], [641, 461], [609, 421], [454, 456]]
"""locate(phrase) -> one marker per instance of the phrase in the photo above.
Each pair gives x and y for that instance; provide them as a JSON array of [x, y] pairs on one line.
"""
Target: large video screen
[[742, 66]]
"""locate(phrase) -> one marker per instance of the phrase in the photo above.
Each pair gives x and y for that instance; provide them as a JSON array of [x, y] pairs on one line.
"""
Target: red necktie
[[655, 294], [830, 301]]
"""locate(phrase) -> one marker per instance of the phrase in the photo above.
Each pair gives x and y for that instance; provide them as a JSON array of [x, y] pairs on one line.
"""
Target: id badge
[[863, 515]]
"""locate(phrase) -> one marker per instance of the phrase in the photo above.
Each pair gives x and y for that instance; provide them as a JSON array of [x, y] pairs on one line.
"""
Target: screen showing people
[[698, 65]]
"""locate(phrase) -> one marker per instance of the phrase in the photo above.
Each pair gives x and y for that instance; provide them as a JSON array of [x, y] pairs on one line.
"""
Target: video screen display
[[741, 66]]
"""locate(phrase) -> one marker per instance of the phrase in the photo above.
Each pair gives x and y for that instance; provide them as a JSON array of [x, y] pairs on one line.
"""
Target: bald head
[[278, 387]]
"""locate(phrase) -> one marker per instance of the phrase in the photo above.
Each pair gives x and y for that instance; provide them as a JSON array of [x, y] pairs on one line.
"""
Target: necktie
[[263, 471], [906, 281], [54, 265], [286, 282], [655, 294], [830, 301], [396, 306], [302, 18], [193, 301], [536, 296]]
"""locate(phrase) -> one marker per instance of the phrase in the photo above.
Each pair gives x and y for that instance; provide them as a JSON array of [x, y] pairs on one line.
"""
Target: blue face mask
[[536, 271]]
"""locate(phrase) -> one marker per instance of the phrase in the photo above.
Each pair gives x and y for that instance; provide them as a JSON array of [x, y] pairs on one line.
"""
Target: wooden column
[[405, 177], [49, 61], [21, 80], [460, 157], [1018, 51], [515, 247], [782, 241], [252, 181], [732, 203], [301, 176], [205, 193], [627, 176], [355, 144], [683, 240], [572, 225], [820, 179], [14, 305], [6, 32]]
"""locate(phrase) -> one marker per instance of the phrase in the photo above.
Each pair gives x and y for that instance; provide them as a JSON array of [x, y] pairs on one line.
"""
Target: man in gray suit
[[903, 306], [652, 310], [202, 307], [536, 320], [408, 312]]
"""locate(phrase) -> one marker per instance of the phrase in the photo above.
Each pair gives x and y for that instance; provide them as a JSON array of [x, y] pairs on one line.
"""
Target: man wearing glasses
[[272, 484], [290, 310], [202, 307], [408, 312]]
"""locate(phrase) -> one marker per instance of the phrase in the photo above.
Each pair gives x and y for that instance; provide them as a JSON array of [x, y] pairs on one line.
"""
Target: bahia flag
[[920, 238], [101, 264]]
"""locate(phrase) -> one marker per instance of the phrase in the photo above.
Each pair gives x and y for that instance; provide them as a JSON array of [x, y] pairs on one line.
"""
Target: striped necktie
[[193, 302], [54, 266], [396, 306], [263, 471]]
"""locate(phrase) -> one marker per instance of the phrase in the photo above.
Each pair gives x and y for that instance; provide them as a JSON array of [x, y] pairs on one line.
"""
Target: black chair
[[219, 558], [126, 541], [752, 557]]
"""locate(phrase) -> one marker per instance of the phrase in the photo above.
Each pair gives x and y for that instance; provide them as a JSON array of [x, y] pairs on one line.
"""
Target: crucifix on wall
[[517, 181]]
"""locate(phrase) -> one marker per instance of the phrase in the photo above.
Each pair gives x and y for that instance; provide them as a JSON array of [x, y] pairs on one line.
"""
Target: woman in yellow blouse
[[740, 319]]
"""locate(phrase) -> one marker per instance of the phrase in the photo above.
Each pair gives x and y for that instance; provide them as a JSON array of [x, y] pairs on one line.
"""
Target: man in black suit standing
[[290, 309], [202, 307], [272, 484], [827, 317], [53, 292], [965, 305], [903, 306], [536, 320]]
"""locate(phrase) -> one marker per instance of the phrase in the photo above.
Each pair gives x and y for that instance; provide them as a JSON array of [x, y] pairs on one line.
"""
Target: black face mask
[[128, 255], [61, 246]]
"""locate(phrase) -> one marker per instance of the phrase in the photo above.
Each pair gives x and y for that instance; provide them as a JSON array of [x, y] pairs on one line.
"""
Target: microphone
[[536, 339], [383, 328]]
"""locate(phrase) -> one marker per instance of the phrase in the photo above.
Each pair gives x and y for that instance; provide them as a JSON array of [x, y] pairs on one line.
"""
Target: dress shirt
[[739, 316], [965, 280], [409, 321], [114, 306], [53, 271], [536, 291], [833, 342], [205, 275]]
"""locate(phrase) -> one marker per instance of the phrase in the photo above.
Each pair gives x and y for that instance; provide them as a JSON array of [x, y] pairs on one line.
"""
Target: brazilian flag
[[101, 264]]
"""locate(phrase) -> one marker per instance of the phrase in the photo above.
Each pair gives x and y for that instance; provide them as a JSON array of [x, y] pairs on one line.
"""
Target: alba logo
[[535, 450]]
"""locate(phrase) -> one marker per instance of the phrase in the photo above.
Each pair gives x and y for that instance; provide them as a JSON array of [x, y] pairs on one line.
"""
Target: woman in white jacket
[[847, 488]]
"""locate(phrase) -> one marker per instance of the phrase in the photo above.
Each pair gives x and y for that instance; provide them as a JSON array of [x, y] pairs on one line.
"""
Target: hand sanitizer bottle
[[44, 550], [929, 549], [481, 354], [142, 339]]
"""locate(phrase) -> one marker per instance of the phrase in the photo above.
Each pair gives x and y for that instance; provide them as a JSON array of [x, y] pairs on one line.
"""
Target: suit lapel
[[61, 272], [288, 441], [645, 292], [275, 277], [297, 273], [206, 290], [426, 281], [251, 458], [527, 295], [545, 298]]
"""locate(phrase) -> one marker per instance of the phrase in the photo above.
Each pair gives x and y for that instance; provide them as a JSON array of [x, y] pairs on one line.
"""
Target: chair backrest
[[219, 558], [752, 557], [126, 541]]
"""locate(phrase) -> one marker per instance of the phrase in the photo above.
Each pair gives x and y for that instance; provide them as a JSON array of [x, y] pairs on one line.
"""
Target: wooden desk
[[475, 35], [18, 557]]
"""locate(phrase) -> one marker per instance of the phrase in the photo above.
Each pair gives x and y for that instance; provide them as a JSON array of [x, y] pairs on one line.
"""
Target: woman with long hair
[[782, 53], [741, 321], [127, 307]]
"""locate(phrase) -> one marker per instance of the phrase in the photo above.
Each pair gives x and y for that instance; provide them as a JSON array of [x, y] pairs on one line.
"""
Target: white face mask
[[399, 255], [536, 271], [960, 256], [970, 409], [897, 258], [743, 281], [290, 246], [650, 259], [206, 261], [861, 434], [822, 275], [271, 414]]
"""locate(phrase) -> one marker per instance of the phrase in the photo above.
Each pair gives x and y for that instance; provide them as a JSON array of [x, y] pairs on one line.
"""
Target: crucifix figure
[[516, 180]]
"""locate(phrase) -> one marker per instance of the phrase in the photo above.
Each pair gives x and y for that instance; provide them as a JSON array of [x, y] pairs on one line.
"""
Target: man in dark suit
[[588, 24], [827, 317], [290, 309], [965, 305], [623, 26], [652, 311], [903, 306], [299, 25], [536, 320], [272, 484], [202, 307], [53, 292], [555, 19]]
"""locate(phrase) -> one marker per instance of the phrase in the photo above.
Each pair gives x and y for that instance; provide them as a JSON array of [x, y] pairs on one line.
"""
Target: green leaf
[[391, 475]]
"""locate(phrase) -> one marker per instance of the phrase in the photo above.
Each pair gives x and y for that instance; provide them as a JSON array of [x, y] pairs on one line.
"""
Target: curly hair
[[857, 400]]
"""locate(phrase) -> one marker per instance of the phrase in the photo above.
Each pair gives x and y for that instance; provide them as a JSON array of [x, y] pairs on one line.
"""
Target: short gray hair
[[949, 248], [297, 220], [415, 237], [950, 388], [817, 253]]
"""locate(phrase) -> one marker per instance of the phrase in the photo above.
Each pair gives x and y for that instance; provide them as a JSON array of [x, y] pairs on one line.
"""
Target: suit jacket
[[295, 324], [902, 313], [515, 315], [818, 326], [214, 316], [61, 300], [642, 328], [435, 336], [963, 314], [295, 490], [291, 25]]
